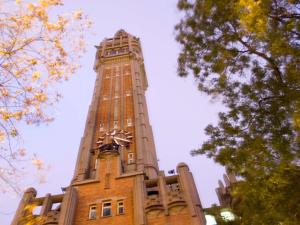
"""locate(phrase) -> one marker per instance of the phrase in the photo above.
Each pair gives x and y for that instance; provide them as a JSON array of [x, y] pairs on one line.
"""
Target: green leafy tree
[[247, 53]]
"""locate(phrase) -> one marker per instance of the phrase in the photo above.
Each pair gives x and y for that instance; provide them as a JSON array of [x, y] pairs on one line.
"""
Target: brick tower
[[117, 180]]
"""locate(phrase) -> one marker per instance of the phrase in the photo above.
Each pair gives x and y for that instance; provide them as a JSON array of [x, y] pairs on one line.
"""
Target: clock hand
[[116, 141], [121, 139]]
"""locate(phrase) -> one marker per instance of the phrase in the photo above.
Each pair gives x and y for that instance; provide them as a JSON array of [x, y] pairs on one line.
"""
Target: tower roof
[[120, 33]]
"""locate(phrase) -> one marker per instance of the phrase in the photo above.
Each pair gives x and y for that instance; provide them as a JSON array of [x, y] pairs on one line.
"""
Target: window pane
[[121, 210], [107, 204], [106, 212], [92, 212], [120, 207], [106, 209]]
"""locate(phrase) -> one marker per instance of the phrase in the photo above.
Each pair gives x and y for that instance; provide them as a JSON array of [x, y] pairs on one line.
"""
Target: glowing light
[[210, 220], [227, 215]]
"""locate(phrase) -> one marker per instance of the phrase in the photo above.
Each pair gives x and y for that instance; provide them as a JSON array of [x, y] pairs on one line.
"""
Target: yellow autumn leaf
[[18, 115], [33, 62], [6, 116], [40, 97], [36, 75], [14, 133], [2, 136], [77, 14], [17, 74], [47, 3], [44, 3], [52, 26], [30, 6], [252, 18], [38, 163]]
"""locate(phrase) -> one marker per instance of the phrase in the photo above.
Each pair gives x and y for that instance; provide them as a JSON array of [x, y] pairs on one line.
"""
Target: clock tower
[[116, 178]]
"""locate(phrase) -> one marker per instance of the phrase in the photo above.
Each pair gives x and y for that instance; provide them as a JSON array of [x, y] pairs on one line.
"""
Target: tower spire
[[119, 105], [116, 178]]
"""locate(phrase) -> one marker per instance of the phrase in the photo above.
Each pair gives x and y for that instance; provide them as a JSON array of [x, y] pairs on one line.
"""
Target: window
[[128, 93], [101, 127], [130, 158], [106, 209], [93, 212], [56, 206], [96, 163], [107, 181], [120, 208], [37, 210], [173, 187], [129, 122]]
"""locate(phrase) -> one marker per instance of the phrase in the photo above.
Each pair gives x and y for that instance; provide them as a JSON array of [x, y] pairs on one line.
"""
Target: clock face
[[115, 138]]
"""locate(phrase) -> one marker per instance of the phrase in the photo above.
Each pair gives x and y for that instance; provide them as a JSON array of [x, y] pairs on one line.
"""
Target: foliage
[[38, 49], [247, 52]]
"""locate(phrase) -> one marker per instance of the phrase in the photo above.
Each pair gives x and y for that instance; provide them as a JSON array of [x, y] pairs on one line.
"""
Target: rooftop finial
[[121, 32]]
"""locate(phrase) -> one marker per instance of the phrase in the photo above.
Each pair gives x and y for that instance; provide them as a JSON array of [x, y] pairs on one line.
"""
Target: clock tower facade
[[116, 178]]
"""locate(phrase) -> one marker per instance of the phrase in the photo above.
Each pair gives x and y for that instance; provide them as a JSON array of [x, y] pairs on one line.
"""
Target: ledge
[[129, 175], [175, 203], [90, 181], [154, 207]]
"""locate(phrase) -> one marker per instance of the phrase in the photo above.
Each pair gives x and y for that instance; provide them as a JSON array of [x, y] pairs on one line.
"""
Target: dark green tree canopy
[[247, 52]]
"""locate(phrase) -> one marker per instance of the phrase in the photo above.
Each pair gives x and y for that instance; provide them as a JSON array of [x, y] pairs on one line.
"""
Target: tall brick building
[[117, 180]]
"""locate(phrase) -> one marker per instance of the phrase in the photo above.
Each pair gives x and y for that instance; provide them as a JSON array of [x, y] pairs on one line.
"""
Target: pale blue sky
[[178, 112]]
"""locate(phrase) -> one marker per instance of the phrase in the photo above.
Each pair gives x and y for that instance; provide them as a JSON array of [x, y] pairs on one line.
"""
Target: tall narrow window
[[129, 122], [116, 109], [115, 124], [107, 181], [120, 208], [93, 212], [128, 93], [106, 209], [130, 158], [101, 127], [96, 163]]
